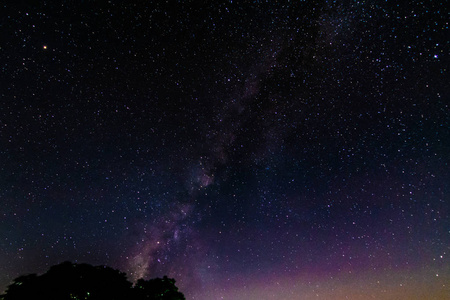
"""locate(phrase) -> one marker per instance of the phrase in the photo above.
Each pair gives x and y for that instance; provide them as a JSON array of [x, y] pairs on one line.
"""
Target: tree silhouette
[[68, 281], [157, 289]]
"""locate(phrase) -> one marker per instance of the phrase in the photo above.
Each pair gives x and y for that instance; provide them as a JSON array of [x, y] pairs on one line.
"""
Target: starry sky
[[248, 149]]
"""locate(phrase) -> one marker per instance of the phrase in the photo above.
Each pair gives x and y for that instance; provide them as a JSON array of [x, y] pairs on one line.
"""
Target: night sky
[[248, 149]]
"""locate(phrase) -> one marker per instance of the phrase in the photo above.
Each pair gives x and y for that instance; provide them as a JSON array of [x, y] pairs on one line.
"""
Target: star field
[[248, 149]]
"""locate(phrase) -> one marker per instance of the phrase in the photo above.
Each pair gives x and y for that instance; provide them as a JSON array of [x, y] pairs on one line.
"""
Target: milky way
[[250, 150]]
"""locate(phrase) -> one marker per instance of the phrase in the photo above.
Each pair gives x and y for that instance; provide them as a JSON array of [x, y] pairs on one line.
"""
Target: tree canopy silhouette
[[86, 282]]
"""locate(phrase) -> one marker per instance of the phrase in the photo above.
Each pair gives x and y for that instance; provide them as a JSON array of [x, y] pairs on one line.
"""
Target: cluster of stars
[[250, 151]]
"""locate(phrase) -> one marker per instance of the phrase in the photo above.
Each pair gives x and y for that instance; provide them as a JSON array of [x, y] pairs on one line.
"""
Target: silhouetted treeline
[[86, 282]]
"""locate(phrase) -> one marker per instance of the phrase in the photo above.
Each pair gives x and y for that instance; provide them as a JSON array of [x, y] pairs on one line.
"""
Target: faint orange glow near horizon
[[415, 284]]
